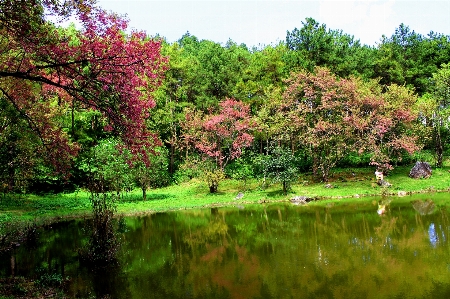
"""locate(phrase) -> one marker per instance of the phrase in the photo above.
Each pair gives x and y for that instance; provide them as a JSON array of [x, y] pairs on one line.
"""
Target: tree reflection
[[275, 251]]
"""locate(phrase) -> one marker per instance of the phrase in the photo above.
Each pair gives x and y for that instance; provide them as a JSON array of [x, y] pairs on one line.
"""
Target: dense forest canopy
[[155, 112]]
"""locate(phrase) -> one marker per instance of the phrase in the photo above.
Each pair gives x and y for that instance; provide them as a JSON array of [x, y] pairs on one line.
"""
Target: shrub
[[281, 167]]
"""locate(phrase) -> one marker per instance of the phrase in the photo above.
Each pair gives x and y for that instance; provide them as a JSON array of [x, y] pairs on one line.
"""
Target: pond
[[258, 251]]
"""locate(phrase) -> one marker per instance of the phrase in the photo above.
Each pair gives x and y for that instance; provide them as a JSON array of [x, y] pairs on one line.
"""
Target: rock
[[420, 170], [239, 196], [328, 186], [300, 199], [401, 193], [384, 183]]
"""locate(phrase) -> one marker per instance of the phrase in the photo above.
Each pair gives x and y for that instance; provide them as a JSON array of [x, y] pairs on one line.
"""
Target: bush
[[103, 244], [46, 279], [353, 159], [192, 167], [240, 169], [213, 178], [281, 167]]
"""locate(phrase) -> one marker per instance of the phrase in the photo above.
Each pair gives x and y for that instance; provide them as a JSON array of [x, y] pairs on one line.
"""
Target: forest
[[104, 108]]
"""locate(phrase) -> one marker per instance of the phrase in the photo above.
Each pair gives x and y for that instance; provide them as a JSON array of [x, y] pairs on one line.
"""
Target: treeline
[[395, 94], [317, 100]]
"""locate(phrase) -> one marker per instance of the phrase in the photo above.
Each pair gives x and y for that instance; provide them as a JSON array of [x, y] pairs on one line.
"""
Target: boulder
[[384, 183], [239, 196], [420, 170], [402, 193], [301, 199]]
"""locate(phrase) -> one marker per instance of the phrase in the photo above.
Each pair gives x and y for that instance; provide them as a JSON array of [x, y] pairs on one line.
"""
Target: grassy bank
[[347, 185]]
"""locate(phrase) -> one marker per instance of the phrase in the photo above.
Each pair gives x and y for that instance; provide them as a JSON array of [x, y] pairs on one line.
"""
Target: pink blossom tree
[[333, 116], [49, 71], [221, 136]]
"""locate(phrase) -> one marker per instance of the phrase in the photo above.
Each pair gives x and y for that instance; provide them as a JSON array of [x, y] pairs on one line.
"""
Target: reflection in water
[[424, 207], [273, 251], [432, 235]]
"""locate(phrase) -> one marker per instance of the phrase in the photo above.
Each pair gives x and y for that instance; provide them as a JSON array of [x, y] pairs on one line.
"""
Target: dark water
[[273, 251]]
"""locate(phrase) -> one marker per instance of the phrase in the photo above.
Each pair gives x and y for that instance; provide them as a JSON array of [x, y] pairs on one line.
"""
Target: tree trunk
[[144, 193], [73, 118], [438, 147], [213, 188], [172, 153], [315, 168]]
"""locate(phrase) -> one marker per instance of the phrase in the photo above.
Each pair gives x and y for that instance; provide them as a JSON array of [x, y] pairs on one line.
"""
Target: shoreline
[[194, 194]]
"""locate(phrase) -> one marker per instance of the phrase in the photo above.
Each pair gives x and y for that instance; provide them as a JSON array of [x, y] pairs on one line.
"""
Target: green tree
[[280, 167], [19, 150], [313, 45], [219, 68], [178, 91], [106, 167], [410, 58], [155, 174], [439, 113], [265, 71]]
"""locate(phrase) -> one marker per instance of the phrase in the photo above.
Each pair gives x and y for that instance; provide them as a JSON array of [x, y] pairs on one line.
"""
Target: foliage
[[313, 45], [75, 103], [280, 167], [331, 116], [154, 175], [49, 70], [220, 136], [409, 58], [46, 279], [394, 122], [192, 167], [241, 169], [213, 178], [19, 152], [13, 232], [106, 167], [436, 111], [103, 244], [315, 110], [355, 159]]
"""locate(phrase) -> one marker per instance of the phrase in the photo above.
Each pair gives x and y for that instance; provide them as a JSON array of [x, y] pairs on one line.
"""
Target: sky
[[258, 23]]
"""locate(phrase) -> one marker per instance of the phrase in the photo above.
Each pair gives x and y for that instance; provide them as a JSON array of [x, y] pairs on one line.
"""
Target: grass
[[348, 185]]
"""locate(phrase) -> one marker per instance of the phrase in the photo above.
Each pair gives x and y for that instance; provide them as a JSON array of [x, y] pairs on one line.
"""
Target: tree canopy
[[66, 92], [51, 71]]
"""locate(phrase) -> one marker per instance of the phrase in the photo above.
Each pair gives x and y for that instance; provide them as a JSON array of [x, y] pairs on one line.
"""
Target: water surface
[[261, 251]]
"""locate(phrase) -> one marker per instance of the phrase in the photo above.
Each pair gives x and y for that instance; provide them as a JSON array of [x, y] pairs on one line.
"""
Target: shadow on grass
[[275, 193], [134, 198], [9, 201]]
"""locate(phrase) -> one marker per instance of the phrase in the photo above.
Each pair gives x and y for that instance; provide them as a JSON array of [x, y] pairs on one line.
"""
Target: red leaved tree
[[333, 116], [220, 136], [48, 71], [314, 109]]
